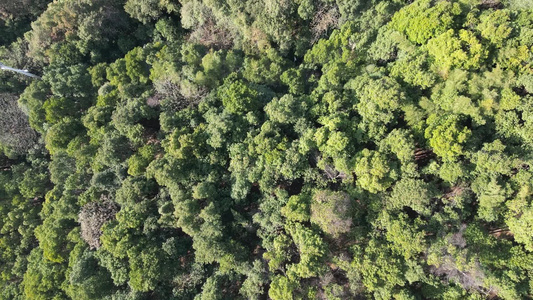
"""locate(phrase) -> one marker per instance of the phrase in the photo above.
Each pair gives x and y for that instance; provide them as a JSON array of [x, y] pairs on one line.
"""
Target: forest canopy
[[278, 149]]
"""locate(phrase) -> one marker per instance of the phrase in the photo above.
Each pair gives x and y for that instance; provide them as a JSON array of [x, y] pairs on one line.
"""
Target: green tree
[[43, 278], [374, 171], [281, 288], [446, 136], [413, 193], [448, 50], [238, 97], [494, 26], [423, 20]]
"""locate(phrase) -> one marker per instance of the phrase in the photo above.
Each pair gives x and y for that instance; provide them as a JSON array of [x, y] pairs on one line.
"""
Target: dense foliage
[[282, 149]]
